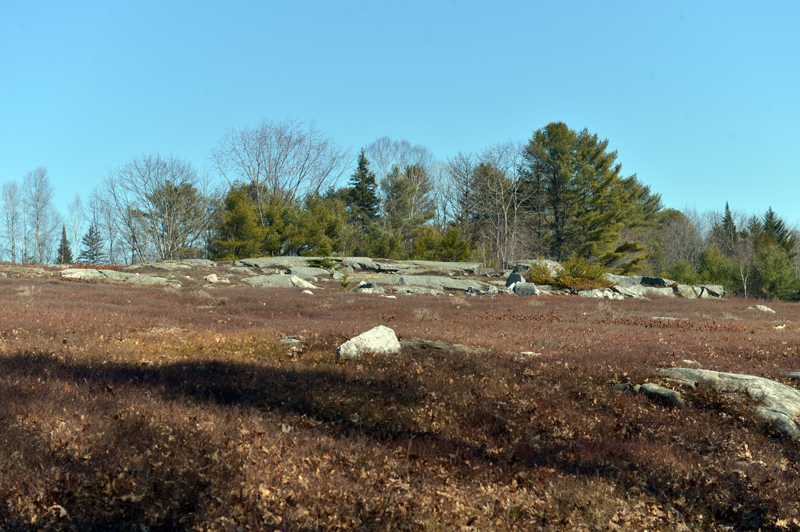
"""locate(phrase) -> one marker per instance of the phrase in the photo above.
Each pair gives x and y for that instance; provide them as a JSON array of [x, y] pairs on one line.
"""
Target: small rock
[[292, 341], [309, 292], [762, 308], [369, 288], [211, 278], [660, 393]]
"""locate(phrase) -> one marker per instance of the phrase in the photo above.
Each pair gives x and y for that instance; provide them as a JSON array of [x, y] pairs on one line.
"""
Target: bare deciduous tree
[[76, 221], [280, 159], [161, 206], [681, 240], [415, 163], [43, 219], [500, 200], [12, 219], [459, 192], [384, 154]]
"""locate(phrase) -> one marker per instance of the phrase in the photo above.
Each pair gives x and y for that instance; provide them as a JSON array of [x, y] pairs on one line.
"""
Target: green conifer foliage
[[774, 231], [576, 191], [64, 252], [362, 198], [92, 247], [239, 235]]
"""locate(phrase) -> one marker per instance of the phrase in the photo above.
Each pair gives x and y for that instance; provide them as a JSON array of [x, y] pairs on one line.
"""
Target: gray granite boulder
[[277, 281], [600, 293], [307, 272], [274, 262], [199, 263], [514, 278], [366, 263], [369, 288], [115, 276], [436, 282], [632, 291], [416, 290], [475, 268], [526, 289], [711, 290], [380, 340], [521, 268], [661, 394]]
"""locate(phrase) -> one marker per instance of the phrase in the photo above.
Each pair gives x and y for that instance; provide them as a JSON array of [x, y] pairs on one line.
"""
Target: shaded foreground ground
[[136, 408]]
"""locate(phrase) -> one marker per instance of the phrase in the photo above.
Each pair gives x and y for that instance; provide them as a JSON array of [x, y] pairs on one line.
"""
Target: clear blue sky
[[699, 98]]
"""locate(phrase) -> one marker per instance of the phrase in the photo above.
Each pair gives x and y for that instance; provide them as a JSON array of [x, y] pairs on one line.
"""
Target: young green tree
[[64, 253], [92, 247], [774, 274], [715, 267], [239, 234], [320, 223]]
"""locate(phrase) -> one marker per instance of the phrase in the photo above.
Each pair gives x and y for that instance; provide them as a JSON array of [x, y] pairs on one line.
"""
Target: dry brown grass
[[135, 408]]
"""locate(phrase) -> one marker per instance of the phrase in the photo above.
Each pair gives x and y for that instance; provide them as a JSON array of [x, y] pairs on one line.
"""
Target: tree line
[[285, 188]]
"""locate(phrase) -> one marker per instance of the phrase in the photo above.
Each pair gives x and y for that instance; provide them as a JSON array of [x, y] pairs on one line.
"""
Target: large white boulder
[[381, 340]]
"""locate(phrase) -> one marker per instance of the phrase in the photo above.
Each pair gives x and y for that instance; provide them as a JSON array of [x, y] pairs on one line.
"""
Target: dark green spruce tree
[[92, 247], [362, 196], [64, 253], [774, 231]]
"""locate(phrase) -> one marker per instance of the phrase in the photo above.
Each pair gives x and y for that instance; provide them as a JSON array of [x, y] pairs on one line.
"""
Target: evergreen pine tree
[[64, 253], [725, 234], [583, 202], [775, 232], [362, 201], [92, 243], [729, 229]]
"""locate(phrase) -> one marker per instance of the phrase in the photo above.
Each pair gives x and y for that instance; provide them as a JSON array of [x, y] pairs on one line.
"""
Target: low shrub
[[324, 262], [577, 273], [539, 272]]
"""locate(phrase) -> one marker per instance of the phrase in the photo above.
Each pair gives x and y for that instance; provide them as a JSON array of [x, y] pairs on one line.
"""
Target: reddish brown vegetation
[[136, 408]]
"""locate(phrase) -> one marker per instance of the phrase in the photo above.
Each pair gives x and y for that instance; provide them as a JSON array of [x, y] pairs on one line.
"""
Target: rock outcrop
[[436, 282], [277, 281], [114, 276], [410, 277], [771, 401], [637, 287]]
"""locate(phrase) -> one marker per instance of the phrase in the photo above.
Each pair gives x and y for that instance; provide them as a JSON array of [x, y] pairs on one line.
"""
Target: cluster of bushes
[[756, 257], [576, 273]]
